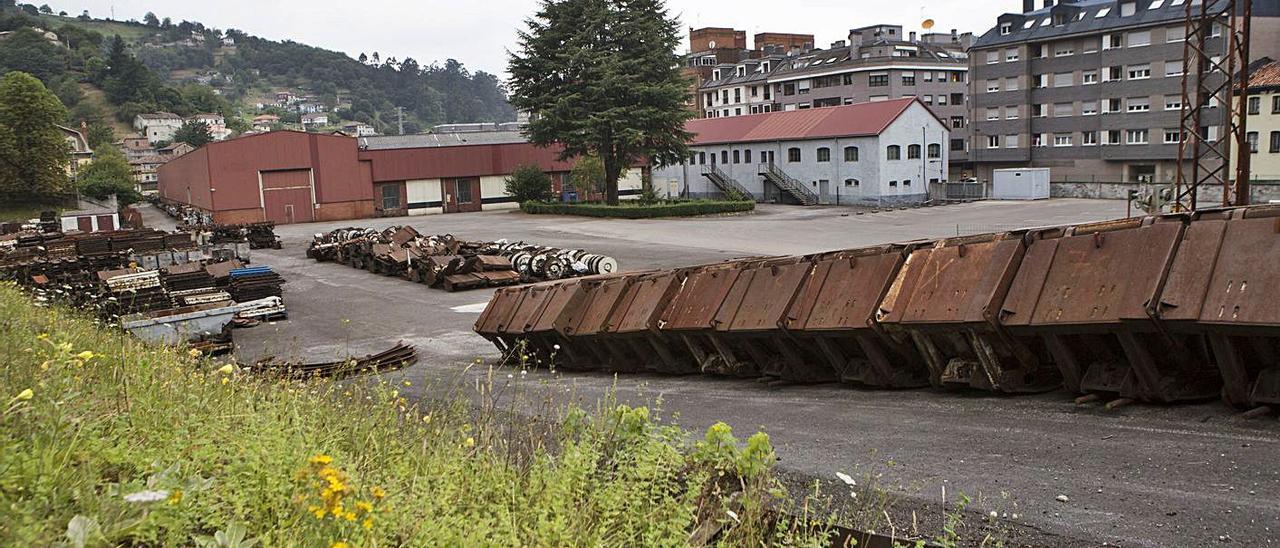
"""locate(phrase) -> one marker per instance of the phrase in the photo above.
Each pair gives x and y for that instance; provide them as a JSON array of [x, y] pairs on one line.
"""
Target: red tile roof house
[[877, 154]]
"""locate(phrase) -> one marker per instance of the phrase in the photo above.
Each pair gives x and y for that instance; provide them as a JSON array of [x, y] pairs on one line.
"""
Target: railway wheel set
[[1169, 308]]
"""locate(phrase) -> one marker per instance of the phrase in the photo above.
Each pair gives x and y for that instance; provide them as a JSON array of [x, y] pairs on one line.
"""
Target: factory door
[[287, 196], [461, 194], [105, 222]]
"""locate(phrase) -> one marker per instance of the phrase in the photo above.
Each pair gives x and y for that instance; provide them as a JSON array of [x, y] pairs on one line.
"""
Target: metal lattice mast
[[1209, 82]]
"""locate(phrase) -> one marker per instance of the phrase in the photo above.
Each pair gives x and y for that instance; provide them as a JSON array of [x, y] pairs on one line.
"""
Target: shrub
[[639, 211], [527, 183]]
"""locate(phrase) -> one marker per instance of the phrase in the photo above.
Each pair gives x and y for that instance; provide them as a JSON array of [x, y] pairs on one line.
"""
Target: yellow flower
[[367, 524], [321, 459], [427, 418], [25, 395], [340, 544], [86, 355], [224, 380], [194, 352], [471, 442], [227, 369], [364, 506], [407, 383], [42, 337], [176, 497], [378, 493]]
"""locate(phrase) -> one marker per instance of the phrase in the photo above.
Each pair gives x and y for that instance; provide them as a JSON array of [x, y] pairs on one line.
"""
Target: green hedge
[[637, 211]]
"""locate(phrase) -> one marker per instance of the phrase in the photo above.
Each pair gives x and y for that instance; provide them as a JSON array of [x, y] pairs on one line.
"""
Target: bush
[[639, 211], [528, 183], [106, 441]]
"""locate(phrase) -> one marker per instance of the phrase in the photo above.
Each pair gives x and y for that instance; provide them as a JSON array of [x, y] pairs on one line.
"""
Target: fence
[[957, 191]]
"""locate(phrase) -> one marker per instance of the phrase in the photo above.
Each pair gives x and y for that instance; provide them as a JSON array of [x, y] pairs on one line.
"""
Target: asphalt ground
[[1141, 475]]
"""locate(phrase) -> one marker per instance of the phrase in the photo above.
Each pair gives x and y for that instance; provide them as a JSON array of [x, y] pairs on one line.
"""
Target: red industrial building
[[295, 177]]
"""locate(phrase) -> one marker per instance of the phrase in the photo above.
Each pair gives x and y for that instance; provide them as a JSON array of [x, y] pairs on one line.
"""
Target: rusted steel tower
[[1216, 67]]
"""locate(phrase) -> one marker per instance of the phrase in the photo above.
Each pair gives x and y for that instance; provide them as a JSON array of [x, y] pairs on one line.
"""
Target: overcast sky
[[479, 32]]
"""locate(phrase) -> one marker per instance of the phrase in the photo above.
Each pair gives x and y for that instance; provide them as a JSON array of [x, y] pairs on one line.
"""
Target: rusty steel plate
[[699, 298], [1024, 292], [495, 317], [564, 299], [1106, 275], [960, 280], [1245, 288], [768, 296], [535, 297], [1193, 265], [600, 304], [647, 299], [842, 292]]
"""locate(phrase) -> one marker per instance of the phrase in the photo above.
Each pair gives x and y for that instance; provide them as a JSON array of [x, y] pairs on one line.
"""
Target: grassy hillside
[[106, 441]]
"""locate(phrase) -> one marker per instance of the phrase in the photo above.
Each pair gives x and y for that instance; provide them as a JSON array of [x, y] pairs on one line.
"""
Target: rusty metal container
[[747, 326], [635, 321], [496, 317], [946, 299], [690, 317], [1090, 292], [1223, 286], [832, 319]]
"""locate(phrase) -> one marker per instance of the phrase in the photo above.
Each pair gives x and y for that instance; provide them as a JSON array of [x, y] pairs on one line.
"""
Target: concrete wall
[[1260, 191]]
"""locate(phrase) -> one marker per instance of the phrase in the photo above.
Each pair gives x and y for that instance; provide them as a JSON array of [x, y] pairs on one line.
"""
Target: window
[[1136, 137], [993, 86], [913, 152], [1113, 137], [1138, 104], [1275, 142], [737, 95], [1112, 41], [1113, 74], [908, 78], [1039, 51], [1039, 140], [725, 95], [993, 57], [1173, 102], [878, 79], [893, 183], [737, 156], [824, 154], [1061, 139], [993, 113], [1039, 111], [1006, 29], [850, 154], [906, 182], [1139, 38], [390, 197], [1039, 81], [737, 111], [755, 91], [464, 190], [1011, 55], [724, 156], [1061, 110], [894, 152], [1173, 68], [957, 122], [1112, 105], [1275, 104], [1175, 34], [1063, 79], [793, 154], [1255, 105], [928, 99], [957, 99], [1127, 9], [702, 158], [1089, 77], [935, 150], [958, 145], [993, 141], [1251, 139], [789, 88], [1091, 45], [1139, 72], [1011, 84], [1064, 49], [1088, 138], [1088, 108], [1011, 112], [1172, 136], [942, 100], [746, 156]]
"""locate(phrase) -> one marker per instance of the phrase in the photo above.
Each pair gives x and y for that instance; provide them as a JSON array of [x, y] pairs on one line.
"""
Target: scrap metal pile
[[446, 262], [1166, 308], [398, 356], [260, 235]]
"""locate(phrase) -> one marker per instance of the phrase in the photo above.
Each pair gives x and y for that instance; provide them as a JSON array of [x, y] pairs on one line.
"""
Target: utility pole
[[400, 120]]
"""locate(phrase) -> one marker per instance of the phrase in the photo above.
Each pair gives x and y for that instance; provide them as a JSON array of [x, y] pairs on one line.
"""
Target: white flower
[[147, 496], [555, 346], [846, 479], [733, 515]]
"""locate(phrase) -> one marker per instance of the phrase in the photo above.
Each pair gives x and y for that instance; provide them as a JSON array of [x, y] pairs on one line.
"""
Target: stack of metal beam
[[255, 282], [131, 291], [1168, 308]]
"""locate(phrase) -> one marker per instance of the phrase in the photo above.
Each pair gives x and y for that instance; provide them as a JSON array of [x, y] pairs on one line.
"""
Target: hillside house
[[157, 126], [78, 146], [315, 119]]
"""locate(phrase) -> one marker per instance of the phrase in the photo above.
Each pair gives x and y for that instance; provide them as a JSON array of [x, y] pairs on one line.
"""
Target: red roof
[[857, 120], [1265, 76]]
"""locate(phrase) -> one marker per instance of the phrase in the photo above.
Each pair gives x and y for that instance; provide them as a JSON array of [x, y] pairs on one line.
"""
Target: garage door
[[287, 196]]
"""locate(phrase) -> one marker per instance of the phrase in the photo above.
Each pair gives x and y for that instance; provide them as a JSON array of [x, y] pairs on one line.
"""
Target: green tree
[[33, 152], [528, 182], [99, 133], [27, 51], [602, 77], [45, 9], [109, 173], [151, 20], [588, 176], [194, 133]]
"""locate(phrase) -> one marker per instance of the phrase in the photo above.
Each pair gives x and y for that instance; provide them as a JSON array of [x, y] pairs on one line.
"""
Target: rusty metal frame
[[1204, 161]]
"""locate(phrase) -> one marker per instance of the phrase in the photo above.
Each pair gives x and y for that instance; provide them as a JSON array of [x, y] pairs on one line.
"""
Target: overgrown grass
[[107, 441], [635, 210]]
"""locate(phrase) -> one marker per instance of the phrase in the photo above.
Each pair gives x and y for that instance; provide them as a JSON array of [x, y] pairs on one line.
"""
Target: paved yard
[[1139, 476]]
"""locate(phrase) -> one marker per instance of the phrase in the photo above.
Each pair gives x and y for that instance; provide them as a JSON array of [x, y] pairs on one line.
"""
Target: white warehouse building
[[875, 153]]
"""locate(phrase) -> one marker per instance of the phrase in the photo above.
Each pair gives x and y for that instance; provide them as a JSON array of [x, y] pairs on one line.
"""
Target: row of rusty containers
[[1164, 308]]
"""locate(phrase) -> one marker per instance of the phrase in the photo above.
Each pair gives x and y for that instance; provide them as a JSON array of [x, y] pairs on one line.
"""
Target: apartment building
[[1262, 109], [876, 63], [1091, 89]]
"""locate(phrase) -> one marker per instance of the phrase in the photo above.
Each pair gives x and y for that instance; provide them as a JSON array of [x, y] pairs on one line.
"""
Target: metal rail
[[793, 186]]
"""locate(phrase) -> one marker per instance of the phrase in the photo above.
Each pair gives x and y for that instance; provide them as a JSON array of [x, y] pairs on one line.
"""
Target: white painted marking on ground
[[470, 308]]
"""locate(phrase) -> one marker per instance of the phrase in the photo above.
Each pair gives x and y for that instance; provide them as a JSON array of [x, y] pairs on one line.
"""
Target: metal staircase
[[772, 173], [731, 188]]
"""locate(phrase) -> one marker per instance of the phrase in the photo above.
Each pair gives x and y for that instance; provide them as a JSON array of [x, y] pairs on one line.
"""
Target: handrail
[[722, 180], [788, 182]]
